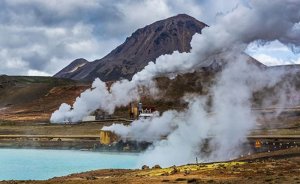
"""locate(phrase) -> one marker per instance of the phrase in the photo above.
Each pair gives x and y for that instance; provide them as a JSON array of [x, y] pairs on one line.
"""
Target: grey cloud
[[48, 35]]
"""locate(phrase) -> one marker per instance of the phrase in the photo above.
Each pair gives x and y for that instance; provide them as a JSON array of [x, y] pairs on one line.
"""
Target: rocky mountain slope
[[35, 98], [144, 45]]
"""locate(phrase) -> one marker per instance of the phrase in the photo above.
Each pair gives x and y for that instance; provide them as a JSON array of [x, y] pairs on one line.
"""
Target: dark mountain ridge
[[144, 45]]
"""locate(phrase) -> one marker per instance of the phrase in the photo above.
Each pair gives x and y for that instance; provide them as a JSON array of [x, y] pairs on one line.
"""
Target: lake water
[[34, 164]]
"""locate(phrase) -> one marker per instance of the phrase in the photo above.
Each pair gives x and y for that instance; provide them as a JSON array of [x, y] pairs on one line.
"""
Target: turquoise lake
[[35, 164]]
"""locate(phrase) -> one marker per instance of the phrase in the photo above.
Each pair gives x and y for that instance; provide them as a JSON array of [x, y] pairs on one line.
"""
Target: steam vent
[[149, 91]]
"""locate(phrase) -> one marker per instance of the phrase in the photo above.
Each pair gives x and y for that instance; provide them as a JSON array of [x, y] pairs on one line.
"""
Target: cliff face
[[144, 45]]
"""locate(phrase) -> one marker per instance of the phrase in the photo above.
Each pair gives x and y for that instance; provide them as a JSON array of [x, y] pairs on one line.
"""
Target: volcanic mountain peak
[[144, 45], [161, 37], [73, 67]]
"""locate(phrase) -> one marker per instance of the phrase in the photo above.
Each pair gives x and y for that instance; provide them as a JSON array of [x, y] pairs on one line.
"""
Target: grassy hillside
[[24, 98], [29, 98]]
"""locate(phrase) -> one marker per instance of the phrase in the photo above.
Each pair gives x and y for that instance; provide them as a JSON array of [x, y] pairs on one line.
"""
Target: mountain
[[71, 68], [144, 45]]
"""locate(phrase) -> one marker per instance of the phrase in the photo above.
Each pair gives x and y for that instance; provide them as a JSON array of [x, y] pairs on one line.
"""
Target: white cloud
[[273, 53], [273, 61], [45, 36], [10, 61], [37, 73], [137, 14], [268, 47]]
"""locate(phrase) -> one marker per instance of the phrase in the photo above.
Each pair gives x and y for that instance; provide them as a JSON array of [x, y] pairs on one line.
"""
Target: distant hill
[[29, 98]]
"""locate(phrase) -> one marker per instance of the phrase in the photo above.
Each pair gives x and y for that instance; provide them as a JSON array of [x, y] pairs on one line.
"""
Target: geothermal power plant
[[161, 91]]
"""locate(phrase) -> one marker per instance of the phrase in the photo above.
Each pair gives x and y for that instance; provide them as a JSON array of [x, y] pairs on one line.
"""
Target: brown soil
[[40, 108]]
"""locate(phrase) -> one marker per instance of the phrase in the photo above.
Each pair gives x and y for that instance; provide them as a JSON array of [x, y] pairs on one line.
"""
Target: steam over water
[[32, 164], [229, 118]]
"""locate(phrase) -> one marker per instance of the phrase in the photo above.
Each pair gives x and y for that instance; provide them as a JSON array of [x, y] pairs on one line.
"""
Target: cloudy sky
[[40, 37]]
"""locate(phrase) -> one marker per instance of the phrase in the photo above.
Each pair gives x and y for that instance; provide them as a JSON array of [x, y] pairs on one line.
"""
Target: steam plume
[[229, 119], [99, 96], [225, 124]]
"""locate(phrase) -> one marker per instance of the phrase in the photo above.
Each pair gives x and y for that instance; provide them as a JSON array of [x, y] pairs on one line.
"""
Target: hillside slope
[[144, 45], [27, 98]]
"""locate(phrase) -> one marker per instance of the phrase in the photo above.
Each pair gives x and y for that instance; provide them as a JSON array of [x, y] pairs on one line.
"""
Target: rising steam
[[226, 123], [228, 120]]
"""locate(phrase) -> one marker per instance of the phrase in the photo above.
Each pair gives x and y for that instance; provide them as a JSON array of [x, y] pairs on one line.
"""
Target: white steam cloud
[[225, 123], [181, 136], [99, 96]]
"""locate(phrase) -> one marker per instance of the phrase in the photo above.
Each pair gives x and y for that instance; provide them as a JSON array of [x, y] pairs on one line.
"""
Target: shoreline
[[92, 143], [42, 164], [67, 142], [278, 166]]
